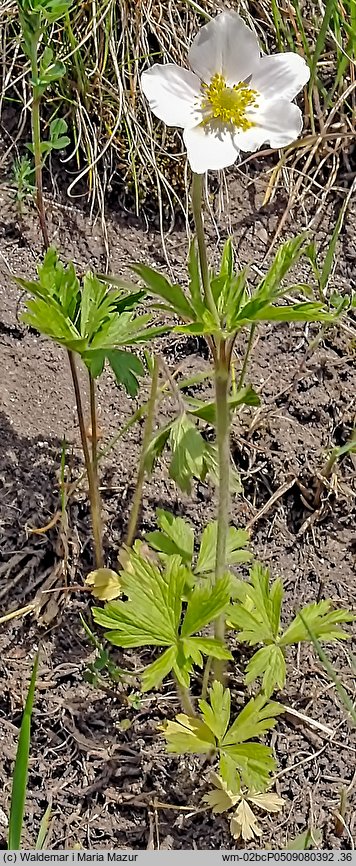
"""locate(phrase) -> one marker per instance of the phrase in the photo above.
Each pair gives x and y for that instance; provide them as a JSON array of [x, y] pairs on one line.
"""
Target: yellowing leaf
[[188, 734], [220, 799], [269, 801], [244, 823], [105, 584]]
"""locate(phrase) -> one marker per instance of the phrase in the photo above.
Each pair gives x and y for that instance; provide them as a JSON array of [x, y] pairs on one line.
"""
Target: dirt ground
[[99, 761]]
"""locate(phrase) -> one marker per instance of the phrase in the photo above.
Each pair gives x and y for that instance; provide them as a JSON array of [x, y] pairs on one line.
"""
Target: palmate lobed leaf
[[205, 604], [257, 717], [176, 536], [254, 762], [322, 621], [152, 613], [251, 761], [236, 544], [217, 714], [207, 411], [257, 613], [188, 734], [268, 663], [158, 285]]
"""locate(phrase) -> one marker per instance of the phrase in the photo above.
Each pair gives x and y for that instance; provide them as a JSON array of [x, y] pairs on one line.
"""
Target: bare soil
[[95, 757]]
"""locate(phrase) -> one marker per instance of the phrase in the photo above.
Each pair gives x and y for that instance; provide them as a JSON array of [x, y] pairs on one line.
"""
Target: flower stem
[[94, 495], [147, 436], [36, 141], [222, 377], [246, 359], [185, 698], [197, 192]]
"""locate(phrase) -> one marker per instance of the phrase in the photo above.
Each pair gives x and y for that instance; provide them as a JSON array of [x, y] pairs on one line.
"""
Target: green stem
[[94, 496], [185, 698], [147, 436], [36, 141], [95, 501], [241, 381], [206, 676], [222, 377], [93, 423], [197, 193]]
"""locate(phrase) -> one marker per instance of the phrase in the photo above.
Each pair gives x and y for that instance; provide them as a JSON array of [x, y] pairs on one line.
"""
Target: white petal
[[173, 94], [209, 148], [227, 46], [278, 122], [280, 75]]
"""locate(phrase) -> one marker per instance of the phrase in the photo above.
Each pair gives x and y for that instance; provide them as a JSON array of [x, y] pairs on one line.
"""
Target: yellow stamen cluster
[[228, 104]]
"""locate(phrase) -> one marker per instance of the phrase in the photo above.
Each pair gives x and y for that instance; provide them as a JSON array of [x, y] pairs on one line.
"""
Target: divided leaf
[[151, 615], [322, 621], [236, 548], [188, 734], [268, 663], [176, 536], [257, 613], [171, 293], [252, 761], [205, 604]]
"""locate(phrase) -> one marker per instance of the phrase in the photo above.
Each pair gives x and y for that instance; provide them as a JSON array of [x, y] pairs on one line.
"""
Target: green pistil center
[[228, 104]]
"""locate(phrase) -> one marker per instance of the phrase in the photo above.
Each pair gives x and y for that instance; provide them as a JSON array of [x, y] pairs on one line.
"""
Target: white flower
[[231, 99]]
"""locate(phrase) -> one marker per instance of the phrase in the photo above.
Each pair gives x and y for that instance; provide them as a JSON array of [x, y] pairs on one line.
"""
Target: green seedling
[[256, 615]]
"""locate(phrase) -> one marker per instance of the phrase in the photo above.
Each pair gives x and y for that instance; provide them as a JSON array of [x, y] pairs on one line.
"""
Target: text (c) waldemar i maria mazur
[[76, 856]]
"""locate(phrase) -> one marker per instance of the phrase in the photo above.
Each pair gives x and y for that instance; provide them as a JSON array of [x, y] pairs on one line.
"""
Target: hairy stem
[[197, 192], [223, 442], [246, 359], [206, 676], [36, 141], [94, 495], [147, 436], [185, 698]]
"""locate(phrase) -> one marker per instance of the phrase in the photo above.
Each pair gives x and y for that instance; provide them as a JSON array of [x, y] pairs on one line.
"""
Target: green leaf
[[258, 614], [153, 675], [20, 772], [176, 536], [268, 663], [188, 734], [251, 629], [126, 368], [304, 841], [208, 646], [236, 542], [206, 603], [95, 362], [255, 719], [287, 255], [321, 620], [254, 762], [158, 285], [156, 447], [217, 715], [301, 312], [151, 615], [188, 450], [207, 411]]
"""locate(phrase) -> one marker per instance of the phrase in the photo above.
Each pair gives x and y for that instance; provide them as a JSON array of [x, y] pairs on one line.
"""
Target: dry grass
[[120, 151]]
